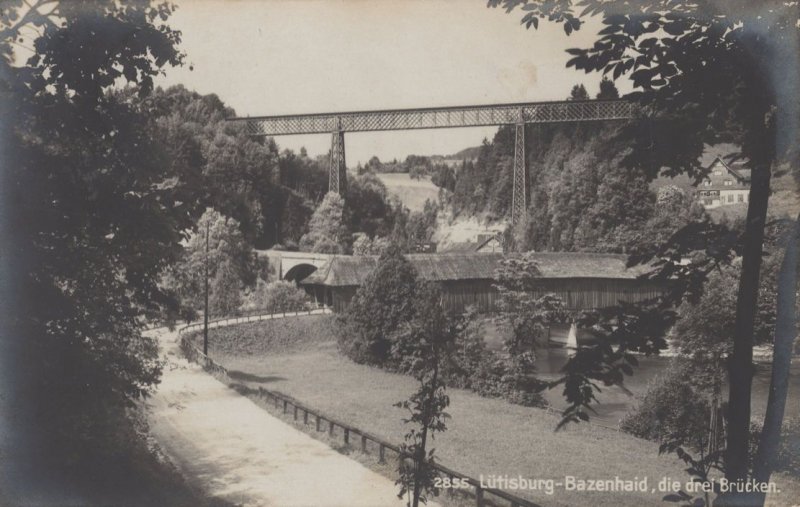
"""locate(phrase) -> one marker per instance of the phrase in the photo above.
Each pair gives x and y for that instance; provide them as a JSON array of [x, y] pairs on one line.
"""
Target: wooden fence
[[483, 496], [243, 319]]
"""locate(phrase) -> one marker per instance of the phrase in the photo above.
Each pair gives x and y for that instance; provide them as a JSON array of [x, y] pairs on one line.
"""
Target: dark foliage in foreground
[[90, 217], [707, 72]]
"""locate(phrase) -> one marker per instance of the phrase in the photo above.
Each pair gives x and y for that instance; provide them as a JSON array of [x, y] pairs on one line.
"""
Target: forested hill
[[271, 193], [466, 154], [580, 195]]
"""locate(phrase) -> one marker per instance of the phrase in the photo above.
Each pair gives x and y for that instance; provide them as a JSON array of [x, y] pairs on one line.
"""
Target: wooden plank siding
[[587, 294], [458, 295], [577, 293]]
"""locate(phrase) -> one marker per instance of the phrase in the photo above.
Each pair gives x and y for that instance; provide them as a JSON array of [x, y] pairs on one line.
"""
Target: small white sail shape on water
[[572, 339]]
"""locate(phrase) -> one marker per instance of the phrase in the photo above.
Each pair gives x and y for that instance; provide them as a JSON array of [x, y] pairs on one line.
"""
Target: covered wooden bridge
[[582, 280]]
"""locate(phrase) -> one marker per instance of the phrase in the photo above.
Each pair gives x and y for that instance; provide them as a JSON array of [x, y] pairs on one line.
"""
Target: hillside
[[412, 192], [466, 154], [451, 232]]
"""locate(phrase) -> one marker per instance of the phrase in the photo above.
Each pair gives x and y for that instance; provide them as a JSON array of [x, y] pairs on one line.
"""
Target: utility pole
[[205, 310]]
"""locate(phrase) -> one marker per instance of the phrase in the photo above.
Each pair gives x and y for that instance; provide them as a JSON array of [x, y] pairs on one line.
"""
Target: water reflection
[[615, 402]]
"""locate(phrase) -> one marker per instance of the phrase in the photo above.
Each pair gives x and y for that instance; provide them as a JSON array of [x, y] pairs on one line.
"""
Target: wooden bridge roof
[[347, 270]]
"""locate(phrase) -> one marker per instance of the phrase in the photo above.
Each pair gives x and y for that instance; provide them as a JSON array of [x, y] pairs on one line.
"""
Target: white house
[[725, 184]]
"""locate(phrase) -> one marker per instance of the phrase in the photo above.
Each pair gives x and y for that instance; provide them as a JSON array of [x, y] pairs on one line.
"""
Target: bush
[[277, 297], [671, 410], [469, 363], [380, 306], [269, 337]]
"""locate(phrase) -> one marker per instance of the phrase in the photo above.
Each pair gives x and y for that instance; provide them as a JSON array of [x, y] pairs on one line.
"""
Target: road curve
[[230, 448]]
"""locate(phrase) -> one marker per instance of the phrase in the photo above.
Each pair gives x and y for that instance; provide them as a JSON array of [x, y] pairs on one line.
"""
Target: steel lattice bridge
[[519, 115]]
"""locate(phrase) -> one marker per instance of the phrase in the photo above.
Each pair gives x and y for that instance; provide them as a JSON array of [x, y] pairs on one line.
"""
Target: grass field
[[298, 357], [412, 193]]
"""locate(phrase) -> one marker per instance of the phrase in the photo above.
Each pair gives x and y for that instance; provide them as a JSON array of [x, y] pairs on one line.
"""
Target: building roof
[[346, 270], [711, 153], [737, 176]]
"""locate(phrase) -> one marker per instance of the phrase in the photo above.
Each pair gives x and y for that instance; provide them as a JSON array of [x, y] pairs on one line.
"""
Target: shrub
[[277, 297], [473, 366], [270, 337], [380, 306], [671, 410]]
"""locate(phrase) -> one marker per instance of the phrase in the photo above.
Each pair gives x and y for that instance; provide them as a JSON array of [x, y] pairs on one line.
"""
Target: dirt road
[[230, 448]]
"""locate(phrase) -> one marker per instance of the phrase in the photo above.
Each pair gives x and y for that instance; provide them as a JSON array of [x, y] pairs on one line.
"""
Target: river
[[615, 402]]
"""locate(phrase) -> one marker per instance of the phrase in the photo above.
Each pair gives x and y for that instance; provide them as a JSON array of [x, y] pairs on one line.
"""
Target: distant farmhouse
[[725, 184], [582, 280]]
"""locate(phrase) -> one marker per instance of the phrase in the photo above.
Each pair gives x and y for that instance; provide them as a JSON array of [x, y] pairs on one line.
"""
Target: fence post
[[305, 416], [295, 412], [330, 428], [478, 496], [318, 421], [285, 406], [276, 400], [346, 436], [363, 444], [381, 452]]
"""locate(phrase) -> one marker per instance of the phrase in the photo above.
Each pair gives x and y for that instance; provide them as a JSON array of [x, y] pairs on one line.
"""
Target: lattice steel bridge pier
[[518, 115]]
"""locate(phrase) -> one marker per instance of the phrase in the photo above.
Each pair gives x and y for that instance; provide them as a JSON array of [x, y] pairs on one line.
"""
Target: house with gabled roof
[[726, 183]]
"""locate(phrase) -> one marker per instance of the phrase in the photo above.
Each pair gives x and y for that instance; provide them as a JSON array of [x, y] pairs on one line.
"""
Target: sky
[[305, 56]]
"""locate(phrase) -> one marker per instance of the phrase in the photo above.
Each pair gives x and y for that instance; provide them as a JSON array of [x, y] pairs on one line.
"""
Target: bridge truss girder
[[441, 117], [519, 194], [337, 173]]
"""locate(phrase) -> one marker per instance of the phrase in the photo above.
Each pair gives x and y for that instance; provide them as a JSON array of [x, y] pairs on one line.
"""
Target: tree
[[380, 306], [529, 311], [673, 210], [91, 217], [374, 165], [220, 166], [608, 90], [225, 296], [231, 264], [786, 331], [444, 177], [422, 224], [578, 92], [704, 70], [426, 340], [672, 410], [363, 245], [326, 228], [367, 207]]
